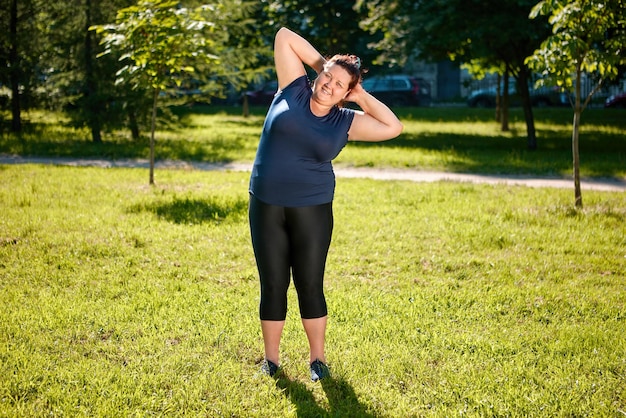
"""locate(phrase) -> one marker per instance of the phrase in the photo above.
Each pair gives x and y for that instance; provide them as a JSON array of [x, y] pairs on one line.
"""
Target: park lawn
[[445, 299], [455, 139]]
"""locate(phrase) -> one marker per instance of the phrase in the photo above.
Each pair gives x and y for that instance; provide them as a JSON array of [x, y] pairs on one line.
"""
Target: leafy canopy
[[588, 36], [161, 42], [488, 32]]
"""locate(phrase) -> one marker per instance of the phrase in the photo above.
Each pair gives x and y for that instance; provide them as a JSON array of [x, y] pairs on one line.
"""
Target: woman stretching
[[292, 184]]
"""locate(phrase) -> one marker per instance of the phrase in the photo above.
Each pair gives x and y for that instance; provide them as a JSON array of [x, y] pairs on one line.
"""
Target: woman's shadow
[[341, 398]]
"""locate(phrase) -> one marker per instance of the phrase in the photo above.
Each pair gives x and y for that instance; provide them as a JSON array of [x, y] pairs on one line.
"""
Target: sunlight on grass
[[456, 139], [122, 299], [481, 129]]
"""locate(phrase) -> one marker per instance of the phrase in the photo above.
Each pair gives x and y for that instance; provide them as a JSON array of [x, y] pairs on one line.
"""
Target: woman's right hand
[[356, 94]]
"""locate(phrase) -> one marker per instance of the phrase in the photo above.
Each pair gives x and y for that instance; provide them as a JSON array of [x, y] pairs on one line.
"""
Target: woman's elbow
[[395, 130], [390, 132], [400, 128], [280, 34]]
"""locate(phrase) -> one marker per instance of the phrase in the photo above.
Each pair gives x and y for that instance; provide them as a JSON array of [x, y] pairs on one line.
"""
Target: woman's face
[[332, 85]]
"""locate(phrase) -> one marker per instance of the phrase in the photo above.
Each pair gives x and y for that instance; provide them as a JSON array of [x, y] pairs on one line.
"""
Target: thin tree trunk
[[132, 122], [529, 117], [499, 99], [91, 90], [578, 198], [504, 111], [246, 106], [14, 71], [152, 130]]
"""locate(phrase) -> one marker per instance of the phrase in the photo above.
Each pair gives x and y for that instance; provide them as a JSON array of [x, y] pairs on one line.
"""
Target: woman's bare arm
[[291, 52], [376, 122]]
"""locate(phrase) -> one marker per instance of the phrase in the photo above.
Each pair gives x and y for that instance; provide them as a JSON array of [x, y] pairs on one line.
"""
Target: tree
[[16, 124], [491, 33], [93, 100], [333, 27], [588, 38], [479, 70], [77, 82], [19, 46], [162, 44]]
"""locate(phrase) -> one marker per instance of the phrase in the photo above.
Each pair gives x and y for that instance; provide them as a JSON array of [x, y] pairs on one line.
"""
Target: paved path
[[605, 184]]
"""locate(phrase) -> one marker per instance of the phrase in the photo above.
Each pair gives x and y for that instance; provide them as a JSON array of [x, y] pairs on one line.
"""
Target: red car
[[617, 101]]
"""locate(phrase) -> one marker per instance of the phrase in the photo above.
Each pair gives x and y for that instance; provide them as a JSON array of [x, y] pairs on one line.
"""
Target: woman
[[292, 184]]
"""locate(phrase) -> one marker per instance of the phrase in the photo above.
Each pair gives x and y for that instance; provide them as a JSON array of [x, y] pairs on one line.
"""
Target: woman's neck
[[318, 109]]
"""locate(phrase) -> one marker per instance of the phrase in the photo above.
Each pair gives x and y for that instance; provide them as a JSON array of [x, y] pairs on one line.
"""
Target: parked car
[[616, 101], [399, 90], [264, 95], [540, 97], [393, 90]]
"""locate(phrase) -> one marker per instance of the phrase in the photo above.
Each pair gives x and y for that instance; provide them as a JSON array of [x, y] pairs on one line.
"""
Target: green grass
[[445, 299], [446, 139]]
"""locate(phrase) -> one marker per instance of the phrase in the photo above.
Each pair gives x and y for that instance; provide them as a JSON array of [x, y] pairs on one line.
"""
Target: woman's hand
[[356, 94], [376, 122]]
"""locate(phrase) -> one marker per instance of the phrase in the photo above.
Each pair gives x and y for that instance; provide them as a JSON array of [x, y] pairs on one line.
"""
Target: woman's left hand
[[375, 121]]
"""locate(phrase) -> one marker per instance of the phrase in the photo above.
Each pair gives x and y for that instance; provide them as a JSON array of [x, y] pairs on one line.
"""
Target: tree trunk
[[504, 111], [499, 99], [91, 90], [132, 122], [522, 86], [152, 130], [246, 106], [578, 198], [14, 71]]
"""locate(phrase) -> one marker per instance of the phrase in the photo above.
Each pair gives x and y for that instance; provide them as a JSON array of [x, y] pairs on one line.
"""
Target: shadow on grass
[[603, 154], [218, 110], [37, 140], [602, 145], [341, 399], [190, 211]]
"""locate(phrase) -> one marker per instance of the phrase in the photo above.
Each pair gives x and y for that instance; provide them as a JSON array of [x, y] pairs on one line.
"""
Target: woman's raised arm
[[291, 52]]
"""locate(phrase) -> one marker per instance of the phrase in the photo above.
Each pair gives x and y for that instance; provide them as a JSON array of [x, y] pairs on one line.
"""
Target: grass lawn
[[120, 299], [444, 139]]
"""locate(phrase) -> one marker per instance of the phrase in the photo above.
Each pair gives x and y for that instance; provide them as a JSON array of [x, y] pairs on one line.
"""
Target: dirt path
[[604, 184]]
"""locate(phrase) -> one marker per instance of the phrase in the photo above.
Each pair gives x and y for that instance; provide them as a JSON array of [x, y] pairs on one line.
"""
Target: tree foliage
[[463, 30], [588, 39], [332, 27], [587, 35], [75, 81], [161, 44], [489, 34], [21, 45]]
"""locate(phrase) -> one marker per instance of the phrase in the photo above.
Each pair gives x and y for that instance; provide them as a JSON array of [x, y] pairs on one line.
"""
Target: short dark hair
[[352, 64]]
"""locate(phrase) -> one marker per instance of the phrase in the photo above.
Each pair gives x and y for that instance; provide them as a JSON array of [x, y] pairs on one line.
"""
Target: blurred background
[[73, 56]]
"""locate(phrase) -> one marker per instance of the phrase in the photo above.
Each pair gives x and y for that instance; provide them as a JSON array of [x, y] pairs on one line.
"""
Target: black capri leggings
[[296, 238]]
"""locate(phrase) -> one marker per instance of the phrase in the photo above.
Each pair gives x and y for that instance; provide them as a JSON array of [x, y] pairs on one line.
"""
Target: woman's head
[[350, 63], [340, 75]]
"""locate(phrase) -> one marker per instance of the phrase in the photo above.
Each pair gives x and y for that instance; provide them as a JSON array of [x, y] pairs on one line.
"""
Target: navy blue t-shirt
[[293, 162]]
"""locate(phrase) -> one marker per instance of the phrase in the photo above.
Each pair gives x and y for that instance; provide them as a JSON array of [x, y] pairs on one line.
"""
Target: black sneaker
[[269, 368], [319, 371]]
